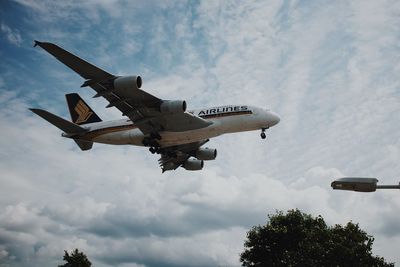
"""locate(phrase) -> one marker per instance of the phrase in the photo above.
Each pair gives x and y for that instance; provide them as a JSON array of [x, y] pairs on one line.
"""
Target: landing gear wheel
[[263, 136]]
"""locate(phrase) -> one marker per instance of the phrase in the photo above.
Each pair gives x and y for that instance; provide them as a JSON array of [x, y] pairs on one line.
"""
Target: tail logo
[[83, 112]]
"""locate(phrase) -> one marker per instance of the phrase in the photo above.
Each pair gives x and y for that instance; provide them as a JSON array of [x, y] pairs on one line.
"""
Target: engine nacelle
[[128, 83], [193, 164], [206, 153], [173, 106]]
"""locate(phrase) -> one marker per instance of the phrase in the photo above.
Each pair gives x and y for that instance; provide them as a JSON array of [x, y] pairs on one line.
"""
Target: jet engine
[[127, 83], [193, 164], [173, 106], [206, 153]]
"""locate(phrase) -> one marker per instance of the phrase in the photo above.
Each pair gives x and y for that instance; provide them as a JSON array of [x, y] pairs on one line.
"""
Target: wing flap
[[175, 156], [135, 104]]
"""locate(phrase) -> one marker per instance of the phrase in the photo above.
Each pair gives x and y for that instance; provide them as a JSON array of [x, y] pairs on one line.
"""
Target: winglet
[[37, 43]]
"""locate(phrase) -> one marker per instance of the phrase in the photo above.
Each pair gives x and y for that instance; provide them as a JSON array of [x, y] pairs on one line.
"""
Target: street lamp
[[360, 184]]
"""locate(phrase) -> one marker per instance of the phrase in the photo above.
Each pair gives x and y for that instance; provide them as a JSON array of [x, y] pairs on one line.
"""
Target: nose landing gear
[[263, 136]]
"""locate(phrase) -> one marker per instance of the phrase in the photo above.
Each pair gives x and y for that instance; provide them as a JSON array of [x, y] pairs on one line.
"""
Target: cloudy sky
[[329, 68]]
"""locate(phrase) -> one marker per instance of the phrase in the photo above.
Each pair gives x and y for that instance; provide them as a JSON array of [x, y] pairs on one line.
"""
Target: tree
[[298, 239], [76, 259]]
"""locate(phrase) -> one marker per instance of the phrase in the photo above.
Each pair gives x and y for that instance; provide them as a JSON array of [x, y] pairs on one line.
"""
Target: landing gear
[[155, 136], [151, 141], [146, 142], [154, 150], [263, 136]]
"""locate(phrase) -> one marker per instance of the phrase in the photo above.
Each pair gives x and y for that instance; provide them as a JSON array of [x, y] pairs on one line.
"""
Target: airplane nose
[[273, 118]]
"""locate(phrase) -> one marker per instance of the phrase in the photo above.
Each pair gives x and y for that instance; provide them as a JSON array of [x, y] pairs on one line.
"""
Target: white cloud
[[3, 253], [330, 71], [13, 36]]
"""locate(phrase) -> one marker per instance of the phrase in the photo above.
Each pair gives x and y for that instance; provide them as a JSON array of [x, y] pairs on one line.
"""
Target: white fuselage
[[226, 119]]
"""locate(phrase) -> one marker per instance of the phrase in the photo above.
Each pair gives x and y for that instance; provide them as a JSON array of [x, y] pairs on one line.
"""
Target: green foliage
[[76, 259], [298, 239]]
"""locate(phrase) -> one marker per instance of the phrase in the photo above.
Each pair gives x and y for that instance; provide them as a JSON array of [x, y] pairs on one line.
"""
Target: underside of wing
[[80, 66], [189, 156]]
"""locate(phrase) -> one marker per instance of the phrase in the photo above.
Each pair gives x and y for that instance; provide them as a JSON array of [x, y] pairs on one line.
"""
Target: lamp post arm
[[388, 186]]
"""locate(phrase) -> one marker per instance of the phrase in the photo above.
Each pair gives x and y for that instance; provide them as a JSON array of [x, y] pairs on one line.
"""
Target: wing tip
[[36, 43], [42, 44], [34, 110]]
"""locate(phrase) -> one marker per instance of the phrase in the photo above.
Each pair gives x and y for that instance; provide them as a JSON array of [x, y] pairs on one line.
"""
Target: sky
[[330, 69]]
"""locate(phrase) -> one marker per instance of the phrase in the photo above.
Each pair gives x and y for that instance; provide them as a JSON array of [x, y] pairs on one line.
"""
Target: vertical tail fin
[[80, 112]]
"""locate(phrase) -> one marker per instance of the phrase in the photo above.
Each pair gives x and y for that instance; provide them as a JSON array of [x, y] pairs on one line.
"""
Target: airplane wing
[[175, 156], [141, 107]]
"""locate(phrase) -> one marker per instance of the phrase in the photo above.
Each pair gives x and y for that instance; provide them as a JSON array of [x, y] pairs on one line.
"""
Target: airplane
[[166, 127]]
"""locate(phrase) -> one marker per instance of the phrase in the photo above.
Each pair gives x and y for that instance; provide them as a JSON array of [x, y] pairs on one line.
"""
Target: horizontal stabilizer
[[84, 145], [62, 124]]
